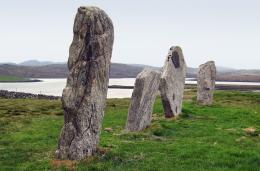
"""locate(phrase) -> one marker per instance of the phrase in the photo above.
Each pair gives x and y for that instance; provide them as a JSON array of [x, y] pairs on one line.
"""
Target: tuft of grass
[[224, 136]]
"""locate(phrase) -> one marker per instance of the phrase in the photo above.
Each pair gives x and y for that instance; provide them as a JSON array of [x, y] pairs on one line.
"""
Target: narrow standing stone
[[172, 82], [206, 83], [84, 96], [143, 98]]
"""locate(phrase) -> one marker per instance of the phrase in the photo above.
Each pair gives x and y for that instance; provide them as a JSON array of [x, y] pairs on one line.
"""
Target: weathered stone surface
[[206, 83], [172, 82], [143, 98], [84, 96]]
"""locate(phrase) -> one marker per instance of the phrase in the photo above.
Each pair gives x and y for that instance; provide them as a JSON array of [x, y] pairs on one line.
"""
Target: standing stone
[[84, 96], [206, 83], [172, 82], [140, 112]]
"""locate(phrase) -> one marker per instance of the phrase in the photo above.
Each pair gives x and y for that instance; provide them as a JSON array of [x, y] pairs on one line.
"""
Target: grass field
[[224, 136], [4, 78]]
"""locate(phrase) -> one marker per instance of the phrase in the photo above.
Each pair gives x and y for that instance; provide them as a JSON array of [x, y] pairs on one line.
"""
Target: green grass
[[4, 78], [203, 138]]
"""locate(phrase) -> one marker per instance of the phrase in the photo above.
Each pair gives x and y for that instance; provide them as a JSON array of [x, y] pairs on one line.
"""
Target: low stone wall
[[19, 95]]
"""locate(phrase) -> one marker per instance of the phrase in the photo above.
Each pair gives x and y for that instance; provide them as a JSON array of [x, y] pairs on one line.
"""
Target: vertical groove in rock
[[172, 82], [83, 98]]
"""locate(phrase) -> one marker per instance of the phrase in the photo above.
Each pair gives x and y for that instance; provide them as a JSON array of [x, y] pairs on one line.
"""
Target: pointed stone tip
[[207, 63], [83, 9], [211, 62], [175, 48], [148, 71]]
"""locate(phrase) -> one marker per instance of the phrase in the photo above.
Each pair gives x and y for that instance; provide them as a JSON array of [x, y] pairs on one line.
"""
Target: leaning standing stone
[[143, 98], [84, 96], [172, 82], [206, 83]]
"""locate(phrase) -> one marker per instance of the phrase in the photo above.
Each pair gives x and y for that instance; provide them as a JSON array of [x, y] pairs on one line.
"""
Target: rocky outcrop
[[84, 96], [20, 95], [143, 98], [206, 83], [172, 82]]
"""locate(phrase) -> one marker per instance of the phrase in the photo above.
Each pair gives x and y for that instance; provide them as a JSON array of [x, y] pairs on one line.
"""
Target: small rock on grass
[[108, 129]]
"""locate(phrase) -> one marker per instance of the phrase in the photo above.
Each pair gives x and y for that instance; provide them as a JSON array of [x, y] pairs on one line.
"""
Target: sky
[[226, 31]]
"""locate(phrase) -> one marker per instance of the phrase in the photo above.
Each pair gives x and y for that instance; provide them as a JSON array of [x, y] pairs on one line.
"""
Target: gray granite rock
[[172, 82], [206, 83], [84, 96], [143, 98]]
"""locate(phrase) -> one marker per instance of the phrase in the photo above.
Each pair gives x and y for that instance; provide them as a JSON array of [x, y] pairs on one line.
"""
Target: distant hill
[[38, 63], [9, 63], [37, 69], [119, 70], [46, 71], [225, 69], [60, 71]]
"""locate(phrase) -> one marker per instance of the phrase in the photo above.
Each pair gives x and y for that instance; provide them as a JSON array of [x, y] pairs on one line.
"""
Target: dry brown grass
[[68, 164], [250, 130]]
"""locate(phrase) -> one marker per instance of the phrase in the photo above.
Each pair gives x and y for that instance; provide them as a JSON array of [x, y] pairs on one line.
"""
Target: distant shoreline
[[16, 79], [22, 95], [117, 70], [22, 81], [189, 79], [227, 80], [193, 86]]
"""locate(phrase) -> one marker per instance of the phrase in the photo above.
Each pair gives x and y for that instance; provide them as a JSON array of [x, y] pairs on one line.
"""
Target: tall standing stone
[[146, 88], [84, 96], [206, 83], [173, 82]]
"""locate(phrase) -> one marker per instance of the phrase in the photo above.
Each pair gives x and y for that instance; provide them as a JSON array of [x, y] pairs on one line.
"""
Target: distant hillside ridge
[[60, 71], [37, 69], [38, 63]]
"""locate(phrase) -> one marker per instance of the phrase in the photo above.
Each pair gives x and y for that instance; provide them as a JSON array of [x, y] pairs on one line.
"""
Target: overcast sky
[[226, 31]]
